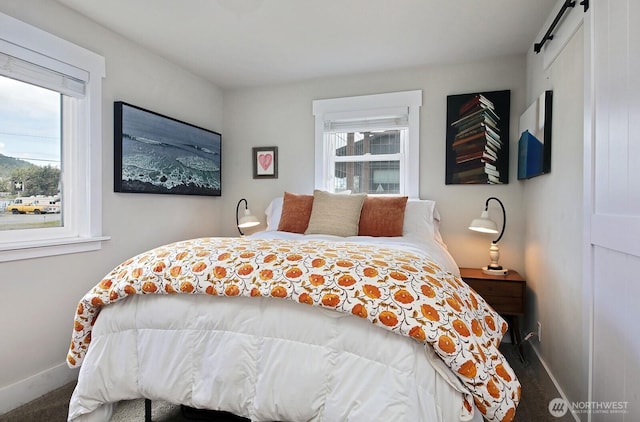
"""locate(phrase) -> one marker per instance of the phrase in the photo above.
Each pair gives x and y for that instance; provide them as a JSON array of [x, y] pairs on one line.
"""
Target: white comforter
[[262, 358]]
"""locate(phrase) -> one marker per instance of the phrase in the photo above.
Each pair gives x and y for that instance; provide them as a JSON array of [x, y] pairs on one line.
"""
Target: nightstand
[[505, 294]]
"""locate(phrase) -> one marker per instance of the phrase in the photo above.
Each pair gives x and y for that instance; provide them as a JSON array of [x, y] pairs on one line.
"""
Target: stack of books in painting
[[477, 142]]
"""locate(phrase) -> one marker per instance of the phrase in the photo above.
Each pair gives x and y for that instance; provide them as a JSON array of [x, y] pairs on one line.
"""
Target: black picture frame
[[477, 150], [265, 162], [158, 154]]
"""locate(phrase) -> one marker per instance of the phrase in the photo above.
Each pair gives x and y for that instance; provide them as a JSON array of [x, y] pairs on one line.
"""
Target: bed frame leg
[[147, 410]]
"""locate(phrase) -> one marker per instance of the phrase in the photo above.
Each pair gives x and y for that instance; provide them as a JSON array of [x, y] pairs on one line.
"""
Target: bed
[[289, 326]]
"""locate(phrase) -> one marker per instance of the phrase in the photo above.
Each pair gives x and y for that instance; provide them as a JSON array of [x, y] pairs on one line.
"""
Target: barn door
[[612, 188]]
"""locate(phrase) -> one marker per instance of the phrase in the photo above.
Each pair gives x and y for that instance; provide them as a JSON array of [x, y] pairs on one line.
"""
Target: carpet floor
[[537, 392]]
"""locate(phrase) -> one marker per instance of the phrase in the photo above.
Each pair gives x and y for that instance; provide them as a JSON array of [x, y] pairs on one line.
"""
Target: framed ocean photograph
[[158, 154]]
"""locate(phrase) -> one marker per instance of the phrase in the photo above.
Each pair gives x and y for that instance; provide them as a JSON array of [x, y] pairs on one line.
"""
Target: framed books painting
[[478, 138]]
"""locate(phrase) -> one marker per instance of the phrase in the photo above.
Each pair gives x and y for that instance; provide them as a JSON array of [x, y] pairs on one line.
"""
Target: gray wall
[[554, 224], [282, 116], [39, 296]]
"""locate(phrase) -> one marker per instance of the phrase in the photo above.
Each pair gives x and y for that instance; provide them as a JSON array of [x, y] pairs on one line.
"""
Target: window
[[30, 144], [365, 160], [50, 111], [368, 144]]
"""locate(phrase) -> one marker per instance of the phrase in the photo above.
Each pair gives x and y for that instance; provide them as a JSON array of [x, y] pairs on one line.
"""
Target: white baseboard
[[21, 392], [554, 381]]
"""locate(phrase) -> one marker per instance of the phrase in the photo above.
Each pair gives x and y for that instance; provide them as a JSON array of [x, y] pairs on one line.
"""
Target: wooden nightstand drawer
[[506, 294], [505, 305], [495, 288]]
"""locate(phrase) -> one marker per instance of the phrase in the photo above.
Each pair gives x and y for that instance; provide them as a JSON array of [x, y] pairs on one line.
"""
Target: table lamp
[[247, 220], [484, 224]]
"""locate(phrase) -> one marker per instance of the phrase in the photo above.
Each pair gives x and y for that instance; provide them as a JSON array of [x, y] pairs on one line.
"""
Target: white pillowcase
[[274, 213], [421, 220]]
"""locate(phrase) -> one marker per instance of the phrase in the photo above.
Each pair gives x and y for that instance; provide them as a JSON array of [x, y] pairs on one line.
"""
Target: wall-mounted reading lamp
[[484, 224], [247, 220]]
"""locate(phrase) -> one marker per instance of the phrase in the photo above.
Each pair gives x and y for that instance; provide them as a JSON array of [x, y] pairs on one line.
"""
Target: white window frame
[[82, 149], [371, 106]]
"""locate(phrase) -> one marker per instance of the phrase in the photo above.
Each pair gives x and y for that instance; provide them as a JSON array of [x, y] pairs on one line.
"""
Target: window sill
[[38, 249]]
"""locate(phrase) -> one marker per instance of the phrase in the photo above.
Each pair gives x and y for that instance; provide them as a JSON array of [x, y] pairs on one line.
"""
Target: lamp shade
[[484, 224], [247, 220]]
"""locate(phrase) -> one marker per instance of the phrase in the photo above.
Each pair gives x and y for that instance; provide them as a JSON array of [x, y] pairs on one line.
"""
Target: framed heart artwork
[[265, 162]]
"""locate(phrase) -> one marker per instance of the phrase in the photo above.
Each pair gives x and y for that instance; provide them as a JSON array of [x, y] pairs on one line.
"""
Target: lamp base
[[503, 271]]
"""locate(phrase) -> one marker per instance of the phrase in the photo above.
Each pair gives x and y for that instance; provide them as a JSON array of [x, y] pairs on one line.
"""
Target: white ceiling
[[238, 43]]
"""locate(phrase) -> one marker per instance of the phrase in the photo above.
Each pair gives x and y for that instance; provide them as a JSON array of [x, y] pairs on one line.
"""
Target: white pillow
[[274, 212], [421, 220]]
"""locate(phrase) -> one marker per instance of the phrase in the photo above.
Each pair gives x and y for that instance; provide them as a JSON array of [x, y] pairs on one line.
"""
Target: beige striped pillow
[[335, 214]]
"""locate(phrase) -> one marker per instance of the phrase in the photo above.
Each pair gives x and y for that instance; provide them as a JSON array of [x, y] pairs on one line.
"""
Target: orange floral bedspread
[[394, 289]]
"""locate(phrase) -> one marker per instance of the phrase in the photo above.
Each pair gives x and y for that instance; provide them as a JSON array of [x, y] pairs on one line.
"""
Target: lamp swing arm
[[247, 220], [504, 215], [246, 207]]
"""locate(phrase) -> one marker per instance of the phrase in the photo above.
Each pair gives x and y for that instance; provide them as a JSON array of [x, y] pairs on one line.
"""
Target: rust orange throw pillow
[[382, 216], [296, 210]]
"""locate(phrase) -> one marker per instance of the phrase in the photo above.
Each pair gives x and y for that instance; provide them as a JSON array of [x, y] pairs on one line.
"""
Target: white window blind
[[25, 71], [367, 120]]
